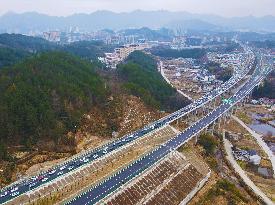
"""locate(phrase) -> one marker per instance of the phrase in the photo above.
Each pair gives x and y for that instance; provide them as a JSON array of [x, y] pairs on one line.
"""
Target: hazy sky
[[67, 7]]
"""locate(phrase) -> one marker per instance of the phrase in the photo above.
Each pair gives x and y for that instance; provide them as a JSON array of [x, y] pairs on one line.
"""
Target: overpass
[[24, 186], [110, 185]]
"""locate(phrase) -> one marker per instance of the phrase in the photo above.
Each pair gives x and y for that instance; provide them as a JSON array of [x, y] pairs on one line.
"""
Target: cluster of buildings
[[107, 36], [250, 156], [189, 76], [270, 103], [67, 37], [236, 60], [184, 41], [111, 60]]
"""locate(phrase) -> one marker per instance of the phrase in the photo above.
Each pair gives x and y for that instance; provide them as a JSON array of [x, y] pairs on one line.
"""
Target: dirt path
[[242, 174], [260, 141]]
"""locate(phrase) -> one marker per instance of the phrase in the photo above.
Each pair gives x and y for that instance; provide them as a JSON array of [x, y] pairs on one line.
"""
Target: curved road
[[97, 193], [21, 187]]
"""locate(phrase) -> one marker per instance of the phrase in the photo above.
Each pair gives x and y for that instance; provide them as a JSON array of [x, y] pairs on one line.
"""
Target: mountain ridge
[[31, 21]]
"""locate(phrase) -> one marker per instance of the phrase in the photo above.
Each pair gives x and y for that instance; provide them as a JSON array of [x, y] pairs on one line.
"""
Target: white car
[[59, 173], [34, 178], [45, 179], [4, 194], [32, 185], [95, 156], [52, 172], [62, 168], [15, 193], [14, 189], [70, 168]]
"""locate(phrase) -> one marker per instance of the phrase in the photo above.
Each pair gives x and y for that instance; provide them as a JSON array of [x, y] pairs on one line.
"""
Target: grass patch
[[244, 117], [225, 189], [242, 164]]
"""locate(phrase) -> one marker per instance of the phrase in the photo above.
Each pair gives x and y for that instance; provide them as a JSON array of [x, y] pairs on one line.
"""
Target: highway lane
[[73, 164], [105, 188]]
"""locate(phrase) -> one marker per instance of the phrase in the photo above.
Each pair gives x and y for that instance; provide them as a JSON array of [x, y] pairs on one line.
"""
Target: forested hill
[[267, 89], [26, 43], [45, 96], [141, 78], [16, 47]]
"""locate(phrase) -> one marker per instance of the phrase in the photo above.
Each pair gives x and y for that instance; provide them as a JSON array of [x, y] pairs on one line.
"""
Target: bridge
[[103, 189]]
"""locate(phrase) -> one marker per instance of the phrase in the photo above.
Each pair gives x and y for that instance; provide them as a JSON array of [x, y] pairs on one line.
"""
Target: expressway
[[97, 193], [33, 183]]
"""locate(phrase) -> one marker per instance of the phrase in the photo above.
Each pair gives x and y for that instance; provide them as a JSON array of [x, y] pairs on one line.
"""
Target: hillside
[[140, 78], [10, 56], [45, 96], [16, 47], [26, 43], [267, 89]]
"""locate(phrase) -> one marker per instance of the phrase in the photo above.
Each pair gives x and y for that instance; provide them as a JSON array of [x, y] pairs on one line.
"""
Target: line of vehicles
[[99, 192], [86, 158]]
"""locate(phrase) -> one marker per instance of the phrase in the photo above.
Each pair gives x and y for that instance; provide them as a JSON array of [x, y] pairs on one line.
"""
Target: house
[[254, 102], [254, 158]]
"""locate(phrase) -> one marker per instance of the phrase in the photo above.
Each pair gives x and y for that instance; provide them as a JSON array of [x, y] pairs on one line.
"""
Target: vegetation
[[161, 35], [45, 96], [9, 56], [244, 117], [15, 47], [223, 74], [226, 189], [185, 53], [26, 43], [87, 49], [3, 152], [267, 90], [268, 44], [209, 143], [141, 78]]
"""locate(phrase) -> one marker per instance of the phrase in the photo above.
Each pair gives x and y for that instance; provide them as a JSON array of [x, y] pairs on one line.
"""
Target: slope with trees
[[16, 47], [45, 96], [141, 78]]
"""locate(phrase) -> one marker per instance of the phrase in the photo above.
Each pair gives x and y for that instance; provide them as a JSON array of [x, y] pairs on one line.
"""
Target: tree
[[209, 143]]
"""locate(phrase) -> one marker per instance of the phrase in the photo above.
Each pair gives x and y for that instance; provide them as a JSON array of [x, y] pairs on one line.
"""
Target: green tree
[[209, 143]]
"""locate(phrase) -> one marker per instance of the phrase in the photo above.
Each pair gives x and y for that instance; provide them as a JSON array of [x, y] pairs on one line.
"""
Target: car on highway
[[63, 167], [85, 160], [45, 179], [60, 173], [32, 185], [4, 194], [52, 172], [70, 168], [34, 178], [14, 189], [15, 193]]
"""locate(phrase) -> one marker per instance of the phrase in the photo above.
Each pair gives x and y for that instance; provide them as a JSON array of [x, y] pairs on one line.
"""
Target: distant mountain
[[194, 24], [147, 33], [31, 21]]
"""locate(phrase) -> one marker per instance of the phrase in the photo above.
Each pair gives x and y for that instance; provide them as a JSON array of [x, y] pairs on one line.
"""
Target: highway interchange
[[35, 182], [95, 194]]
